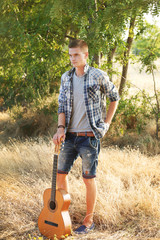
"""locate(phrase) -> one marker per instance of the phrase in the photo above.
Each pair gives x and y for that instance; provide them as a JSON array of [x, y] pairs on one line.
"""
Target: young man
[[82, 121]]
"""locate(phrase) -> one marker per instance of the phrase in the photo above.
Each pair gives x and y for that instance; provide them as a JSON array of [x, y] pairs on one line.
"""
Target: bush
[[132, 114], [39, 118]]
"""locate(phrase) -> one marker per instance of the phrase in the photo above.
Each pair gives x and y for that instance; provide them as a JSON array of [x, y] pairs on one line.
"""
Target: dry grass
[[128, 204], [143, 80], [139, 80], [145, 142]]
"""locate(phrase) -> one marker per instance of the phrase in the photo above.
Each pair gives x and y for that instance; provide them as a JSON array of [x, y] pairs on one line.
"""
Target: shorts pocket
[[93, 142]]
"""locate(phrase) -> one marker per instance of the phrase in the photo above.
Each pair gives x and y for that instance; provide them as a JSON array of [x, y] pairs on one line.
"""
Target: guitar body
[[54, 218]]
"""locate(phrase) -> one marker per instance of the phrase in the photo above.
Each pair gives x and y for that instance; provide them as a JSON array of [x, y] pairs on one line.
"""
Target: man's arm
[[60, 134], [111, 111], [110, 114]]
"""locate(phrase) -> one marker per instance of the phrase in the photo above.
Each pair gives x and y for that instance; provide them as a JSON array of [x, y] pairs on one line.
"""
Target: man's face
[[78, 57]]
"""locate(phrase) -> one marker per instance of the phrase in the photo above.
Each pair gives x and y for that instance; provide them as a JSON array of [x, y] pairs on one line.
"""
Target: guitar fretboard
[[54, 178]]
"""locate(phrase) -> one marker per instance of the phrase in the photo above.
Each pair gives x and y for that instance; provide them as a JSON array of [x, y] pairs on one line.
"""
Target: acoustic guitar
[[54, 219]]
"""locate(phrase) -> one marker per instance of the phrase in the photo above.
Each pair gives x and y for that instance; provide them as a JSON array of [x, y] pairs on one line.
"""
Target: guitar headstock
[[57, 147]]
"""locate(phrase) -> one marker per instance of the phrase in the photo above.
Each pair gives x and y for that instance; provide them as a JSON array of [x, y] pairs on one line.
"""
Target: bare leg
[[62, 181], [91, 193]]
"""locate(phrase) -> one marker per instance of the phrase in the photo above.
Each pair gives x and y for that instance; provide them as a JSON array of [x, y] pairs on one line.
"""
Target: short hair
[[78, 43]]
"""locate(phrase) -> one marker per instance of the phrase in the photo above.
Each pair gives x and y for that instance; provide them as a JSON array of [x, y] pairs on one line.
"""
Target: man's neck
[[80, 71]]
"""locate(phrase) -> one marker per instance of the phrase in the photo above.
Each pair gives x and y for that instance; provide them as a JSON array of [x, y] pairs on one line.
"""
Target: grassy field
[[128, 202]]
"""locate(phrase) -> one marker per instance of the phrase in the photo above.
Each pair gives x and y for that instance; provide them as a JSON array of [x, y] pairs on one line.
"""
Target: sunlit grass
[[128, 202]]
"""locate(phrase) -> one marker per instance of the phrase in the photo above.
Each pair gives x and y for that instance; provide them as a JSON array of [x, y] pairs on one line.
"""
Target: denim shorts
[[86, 147]]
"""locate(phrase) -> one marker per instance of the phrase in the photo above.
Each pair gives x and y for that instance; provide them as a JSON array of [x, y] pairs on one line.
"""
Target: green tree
[[34, 34], [136, 21], [103, 23], [149, 51], [32, 57]]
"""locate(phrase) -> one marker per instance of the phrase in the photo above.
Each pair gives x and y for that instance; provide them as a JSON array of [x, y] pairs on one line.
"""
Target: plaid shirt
[[96, 87]]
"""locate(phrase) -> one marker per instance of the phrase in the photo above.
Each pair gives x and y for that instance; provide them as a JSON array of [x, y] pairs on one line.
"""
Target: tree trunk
[[126, 55], [96, 59], [110, 61], [157, 112]]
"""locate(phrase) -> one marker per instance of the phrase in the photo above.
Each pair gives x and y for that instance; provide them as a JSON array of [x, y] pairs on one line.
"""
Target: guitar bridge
[[51, 223]]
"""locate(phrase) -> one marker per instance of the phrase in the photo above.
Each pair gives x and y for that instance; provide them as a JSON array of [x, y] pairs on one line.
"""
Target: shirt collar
[[86, 68], [71, 72]]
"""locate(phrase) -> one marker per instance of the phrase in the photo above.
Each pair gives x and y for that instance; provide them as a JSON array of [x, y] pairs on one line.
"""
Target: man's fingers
[[55, 139], [61, 138]]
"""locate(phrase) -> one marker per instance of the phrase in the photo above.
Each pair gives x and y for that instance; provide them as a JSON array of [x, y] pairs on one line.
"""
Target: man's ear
[[86, 55]]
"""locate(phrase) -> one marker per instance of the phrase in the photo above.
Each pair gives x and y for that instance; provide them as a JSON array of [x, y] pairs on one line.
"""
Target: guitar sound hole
[[52, 205]]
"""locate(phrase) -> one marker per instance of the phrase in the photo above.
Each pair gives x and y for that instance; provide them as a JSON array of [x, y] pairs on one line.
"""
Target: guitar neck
[[54, 177]]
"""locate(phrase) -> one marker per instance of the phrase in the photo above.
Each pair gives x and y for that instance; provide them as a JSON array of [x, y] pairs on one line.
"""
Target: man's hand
[[59, 136], [106, 127]]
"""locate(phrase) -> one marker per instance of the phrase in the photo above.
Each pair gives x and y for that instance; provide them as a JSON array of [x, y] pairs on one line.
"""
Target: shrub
[[132, 114], [38, 118]]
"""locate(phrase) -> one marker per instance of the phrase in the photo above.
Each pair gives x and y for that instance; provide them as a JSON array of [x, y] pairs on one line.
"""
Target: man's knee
[[89, 181]]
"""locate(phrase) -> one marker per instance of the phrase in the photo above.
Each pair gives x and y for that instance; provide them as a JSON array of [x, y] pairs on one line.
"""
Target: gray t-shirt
[[79, 121]]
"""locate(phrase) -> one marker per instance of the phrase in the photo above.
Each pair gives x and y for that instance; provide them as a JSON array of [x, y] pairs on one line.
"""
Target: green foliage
[[32, 59], [34, 36], [148, 55], [47, 106], [132, 114], [147, 44]]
